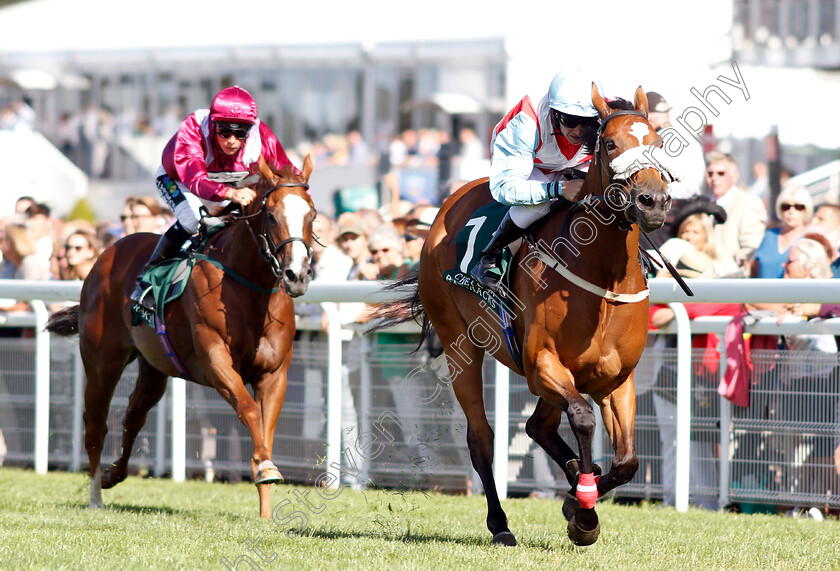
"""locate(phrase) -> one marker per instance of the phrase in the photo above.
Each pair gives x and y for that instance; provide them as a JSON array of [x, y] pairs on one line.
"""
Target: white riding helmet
[[570, 92]]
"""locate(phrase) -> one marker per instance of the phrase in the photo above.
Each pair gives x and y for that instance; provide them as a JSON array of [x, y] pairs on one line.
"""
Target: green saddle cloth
[[167, 280], [470, 242]]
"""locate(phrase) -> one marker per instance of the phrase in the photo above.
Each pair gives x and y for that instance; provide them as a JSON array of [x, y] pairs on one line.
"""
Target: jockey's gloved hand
[[242, 196]]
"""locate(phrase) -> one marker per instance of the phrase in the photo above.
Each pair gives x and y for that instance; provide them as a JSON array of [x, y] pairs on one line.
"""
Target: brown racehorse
[[233, 325], [579, 308]]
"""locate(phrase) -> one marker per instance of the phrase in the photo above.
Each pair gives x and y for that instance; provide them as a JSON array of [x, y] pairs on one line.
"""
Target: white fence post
[[502, 428], [333, 468], [78, 410], [681, 492], [42, 387], [179, 429]]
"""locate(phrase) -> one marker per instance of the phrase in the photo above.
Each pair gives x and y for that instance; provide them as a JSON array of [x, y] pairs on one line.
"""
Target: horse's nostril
[[646, 200], [291, 276]]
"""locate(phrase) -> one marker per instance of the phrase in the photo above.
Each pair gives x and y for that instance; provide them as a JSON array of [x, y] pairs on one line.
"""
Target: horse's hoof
[[570, 505], [95, 506], [504, 538], [583, 534], [268, 475]]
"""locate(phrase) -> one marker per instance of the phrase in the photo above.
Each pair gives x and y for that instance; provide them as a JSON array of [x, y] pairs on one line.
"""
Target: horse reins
[[597, 156], [268, 249]]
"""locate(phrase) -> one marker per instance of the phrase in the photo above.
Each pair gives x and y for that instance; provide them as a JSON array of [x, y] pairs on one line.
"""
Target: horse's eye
[[610, 146]]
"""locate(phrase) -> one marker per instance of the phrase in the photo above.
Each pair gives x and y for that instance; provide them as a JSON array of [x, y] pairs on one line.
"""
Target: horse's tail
[[404, 309], [64, 322]]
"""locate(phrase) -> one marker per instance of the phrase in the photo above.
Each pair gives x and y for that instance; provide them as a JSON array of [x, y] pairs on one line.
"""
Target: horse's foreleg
[[149, 389], [269, 394], [542, 428], [618, 411], [556, 386], [249, 413]]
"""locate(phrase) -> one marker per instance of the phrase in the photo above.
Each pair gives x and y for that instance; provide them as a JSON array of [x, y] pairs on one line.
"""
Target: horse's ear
[[265, 170], [640, 101], [307, 168], [599, 103]]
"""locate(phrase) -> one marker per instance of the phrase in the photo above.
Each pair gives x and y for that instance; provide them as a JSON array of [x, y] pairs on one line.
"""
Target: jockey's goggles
[[571, 121], [225, 131]]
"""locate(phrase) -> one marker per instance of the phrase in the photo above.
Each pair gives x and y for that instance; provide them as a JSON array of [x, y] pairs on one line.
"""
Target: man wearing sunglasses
[[531, 148], [202, 163]]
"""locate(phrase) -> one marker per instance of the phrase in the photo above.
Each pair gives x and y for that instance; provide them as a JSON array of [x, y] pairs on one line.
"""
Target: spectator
[[416, 231], [794, 208], [694, 223], [746, 217], [42, 228], [705, 376], [20, 261], [826, 221], [80, 251], [687, 156], [22, 203], [352, 239], [144, 214], [802, 463]]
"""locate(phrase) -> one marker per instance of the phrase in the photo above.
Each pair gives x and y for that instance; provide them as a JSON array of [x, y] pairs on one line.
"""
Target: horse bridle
[[268, 249], [628, 204]]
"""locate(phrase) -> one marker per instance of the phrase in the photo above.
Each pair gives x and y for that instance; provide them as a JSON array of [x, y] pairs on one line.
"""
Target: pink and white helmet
[[234, 105]]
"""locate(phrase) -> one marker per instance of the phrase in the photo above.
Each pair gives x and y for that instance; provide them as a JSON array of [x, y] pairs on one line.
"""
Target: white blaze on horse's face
[[640, 131], [296, 209]]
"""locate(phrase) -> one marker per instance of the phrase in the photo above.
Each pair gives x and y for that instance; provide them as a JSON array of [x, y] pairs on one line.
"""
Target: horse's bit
[[268, 249]]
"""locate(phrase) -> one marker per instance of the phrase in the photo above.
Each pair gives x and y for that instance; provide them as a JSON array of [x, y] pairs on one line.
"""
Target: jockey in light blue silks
[[530, 149]]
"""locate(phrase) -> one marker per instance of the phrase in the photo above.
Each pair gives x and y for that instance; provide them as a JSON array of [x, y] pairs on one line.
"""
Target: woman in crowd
[[794, 207], [81, 249]]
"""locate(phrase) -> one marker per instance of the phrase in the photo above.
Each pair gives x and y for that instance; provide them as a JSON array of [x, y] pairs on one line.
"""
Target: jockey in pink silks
[[212, 150], [530, 149]]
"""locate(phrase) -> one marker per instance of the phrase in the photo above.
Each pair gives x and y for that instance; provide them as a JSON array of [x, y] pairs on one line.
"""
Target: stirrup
[[487, 273], [142, 297]]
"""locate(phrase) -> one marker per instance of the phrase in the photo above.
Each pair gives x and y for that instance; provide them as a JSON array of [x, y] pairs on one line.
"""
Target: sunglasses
[[226, 132], [572, 121], [715, 173], [383, 250], [135, 216], [75, 247], [785, 207]]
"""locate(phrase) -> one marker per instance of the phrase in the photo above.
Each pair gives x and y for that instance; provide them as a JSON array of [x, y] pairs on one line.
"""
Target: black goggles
[[572, 121], [226, 131]]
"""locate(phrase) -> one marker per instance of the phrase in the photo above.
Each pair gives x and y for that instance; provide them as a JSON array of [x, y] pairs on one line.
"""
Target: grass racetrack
[[158, 524]]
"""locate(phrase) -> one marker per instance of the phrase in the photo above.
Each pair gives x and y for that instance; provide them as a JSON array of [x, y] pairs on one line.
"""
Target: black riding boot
[[487, 270], [165, 249]]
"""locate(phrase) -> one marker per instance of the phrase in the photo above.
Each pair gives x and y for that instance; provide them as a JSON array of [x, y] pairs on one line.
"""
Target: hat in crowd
[[695, 264], [424, 222], [351, 224], [697, 205], [657, 103]]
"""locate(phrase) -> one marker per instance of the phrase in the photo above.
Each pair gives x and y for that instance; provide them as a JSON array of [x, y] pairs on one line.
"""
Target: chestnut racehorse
[[233, 325], [578, 302]]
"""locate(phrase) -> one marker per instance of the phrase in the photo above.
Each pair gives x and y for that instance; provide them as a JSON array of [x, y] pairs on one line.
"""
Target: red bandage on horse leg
[[587, 491]]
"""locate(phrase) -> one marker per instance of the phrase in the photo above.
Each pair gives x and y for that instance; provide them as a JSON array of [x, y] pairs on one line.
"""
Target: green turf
[[158, 524]]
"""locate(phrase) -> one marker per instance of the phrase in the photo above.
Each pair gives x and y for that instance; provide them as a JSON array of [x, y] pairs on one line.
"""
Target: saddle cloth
[[470, 242], [167, 282]]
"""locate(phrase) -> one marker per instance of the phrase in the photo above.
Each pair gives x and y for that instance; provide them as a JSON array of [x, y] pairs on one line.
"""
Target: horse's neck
[[239, 250], [592, 236]]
